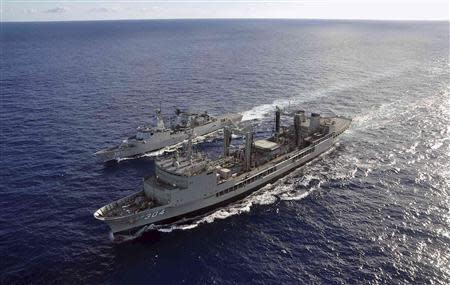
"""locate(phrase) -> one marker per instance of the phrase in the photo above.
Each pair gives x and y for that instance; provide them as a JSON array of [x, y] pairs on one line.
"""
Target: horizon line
[[226, 18]]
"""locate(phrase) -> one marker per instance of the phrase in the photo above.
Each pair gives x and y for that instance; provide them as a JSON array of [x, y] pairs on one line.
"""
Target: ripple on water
[[373, 210]]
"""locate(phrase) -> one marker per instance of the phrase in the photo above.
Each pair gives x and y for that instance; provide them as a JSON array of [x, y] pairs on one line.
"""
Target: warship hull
[[139, 147], [222, 194]]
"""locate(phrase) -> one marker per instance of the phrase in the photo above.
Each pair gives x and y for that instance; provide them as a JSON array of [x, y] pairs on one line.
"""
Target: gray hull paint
[[170, 211], [161, 141]]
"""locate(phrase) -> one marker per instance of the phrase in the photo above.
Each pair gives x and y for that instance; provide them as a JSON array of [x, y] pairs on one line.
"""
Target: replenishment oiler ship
[[150, 138], [190, 185]]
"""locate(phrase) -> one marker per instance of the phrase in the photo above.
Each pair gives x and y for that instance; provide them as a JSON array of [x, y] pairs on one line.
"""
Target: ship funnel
[[277, 120], [298, 129], [314, 122], [248, 149], [302, 115], [189, 144], [226, 141], [159, 120]]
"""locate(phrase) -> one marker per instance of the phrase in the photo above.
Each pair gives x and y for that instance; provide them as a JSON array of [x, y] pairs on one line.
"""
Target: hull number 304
[[154, 214]]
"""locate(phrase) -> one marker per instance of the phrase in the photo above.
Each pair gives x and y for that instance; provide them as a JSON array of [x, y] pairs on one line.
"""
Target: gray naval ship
[[150, 138], [190, 185]]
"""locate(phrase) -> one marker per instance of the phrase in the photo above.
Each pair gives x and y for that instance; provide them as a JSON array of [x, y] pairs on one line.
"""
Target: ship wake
[[261, 111]]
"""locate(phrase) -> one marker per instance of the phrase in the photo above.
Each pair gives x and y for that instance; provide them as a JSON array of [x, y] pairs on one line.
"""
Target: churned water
[[373, 210]]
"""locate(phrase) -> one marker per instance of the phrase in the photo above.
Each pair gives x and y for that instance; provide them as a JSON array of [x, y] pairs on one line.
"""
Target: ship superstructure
[[149, 138], [191, 184]]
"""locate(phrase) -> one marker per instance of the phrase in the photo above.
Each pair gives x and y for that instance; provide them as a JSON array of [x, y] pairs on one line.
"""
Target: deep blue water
[[375, 210]]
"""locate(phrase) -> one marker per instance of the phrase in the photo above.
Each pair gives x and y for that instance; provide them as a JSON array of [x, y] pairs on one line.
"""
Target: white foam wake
[[261, 111]]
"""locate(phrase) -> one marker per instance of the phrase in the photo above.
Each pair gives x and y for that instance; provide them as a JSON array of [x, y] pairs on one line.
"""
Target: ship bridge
[[177, 171]]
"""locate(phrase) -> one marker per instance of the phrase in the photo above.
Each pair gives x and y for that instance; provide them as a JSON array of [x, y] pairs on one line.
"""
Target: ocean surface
[[374, 210]]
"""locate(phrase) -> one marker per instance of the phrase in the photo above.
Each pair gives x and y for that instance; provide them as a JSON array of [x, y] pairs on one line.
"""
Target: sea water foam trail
[[261, 111]]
